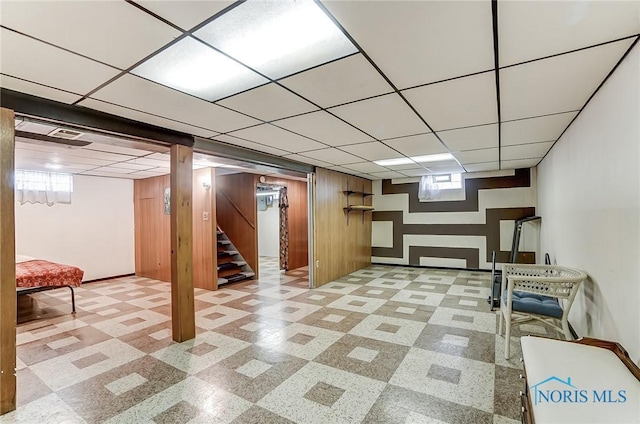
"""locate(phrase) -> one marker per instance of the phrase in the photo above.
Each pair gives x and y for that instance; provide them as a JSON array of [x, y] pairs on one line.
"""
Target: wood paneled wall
[[341, 247], [298, 220], [237, 215], [205, 267], [152, 230]]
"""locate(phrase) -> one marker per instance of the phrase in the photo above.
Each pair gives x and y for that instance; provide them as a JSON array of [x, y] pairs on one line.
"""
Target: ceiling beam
[[85, 118]]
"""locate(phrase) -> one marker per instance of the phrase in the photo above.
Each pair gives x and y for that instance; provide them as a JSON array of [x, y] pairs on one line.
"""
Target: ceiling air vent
[[65, 133]]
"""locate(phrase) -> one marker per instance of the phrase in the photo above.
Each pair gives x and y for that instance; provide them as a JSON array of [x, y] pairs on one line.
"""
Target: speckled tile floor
[[382, 345]]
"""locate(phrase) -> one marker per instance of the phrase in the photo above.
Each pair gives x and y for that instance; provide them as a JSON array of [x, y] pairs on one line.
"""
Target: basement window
[[448, 181], [43, 187]]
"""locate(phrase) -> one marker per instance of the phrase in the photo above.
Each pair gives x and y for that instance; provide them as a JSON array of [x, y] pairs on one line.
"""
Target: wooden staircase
[[231, 265]]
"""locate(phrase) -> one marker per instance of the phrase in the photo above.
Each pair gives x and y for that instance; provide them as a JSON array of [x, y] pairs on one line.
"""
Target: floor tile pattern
[[385, 344]]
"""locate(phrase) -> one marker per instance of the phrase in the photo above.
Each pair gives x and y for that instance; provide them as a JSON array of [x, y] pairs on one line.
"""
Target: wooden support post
[[182, 303], [7, 264]]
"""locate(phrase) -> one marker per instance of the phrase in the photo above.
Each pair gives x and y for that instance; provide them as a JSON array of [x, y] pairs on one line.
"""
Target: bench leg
[[73, 300]]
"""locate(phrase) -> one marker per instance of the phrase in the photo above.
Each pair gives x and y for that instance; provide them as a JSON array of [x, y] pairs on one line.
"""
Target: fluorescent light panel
[[277, 38], [419, 159], [194, 68]]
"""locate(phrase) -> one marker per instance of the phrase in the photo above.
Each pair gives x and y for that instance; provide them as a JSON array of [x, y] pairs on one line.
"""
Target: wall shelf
[[358, 207]]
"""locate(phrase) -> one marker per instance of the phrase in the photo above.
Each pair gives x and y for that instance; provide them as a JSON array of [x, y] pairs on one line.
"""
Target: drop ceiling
[[386, 80]]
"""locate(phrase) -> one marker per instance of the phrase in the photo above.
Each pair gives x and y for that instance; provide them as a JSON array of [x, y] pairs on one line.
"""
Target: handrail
[[238, 209]]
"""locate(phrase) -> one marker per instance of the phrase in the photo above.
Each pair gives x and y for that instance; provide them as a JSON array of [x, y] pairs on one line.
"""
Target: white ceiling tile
[[192, 67], [36, 127], [558, 84], [298, 36], [372, 151], [146, 96], [40, 63], [533, 130], [268, 102], [132, 166], [479, 167], [412, 165], [417, 172], [472, 138], [366, 167], [113, 174], [525, 151], [109, 31], [55, 155], [62, 150], [344, 170], [105, 143], [146, 118], [311, 161], [151, 162], [382, 117], [333, 156], [38, 90], [457, 169], [185, 13], [534, 29], [417, 145], [387, 175], [476, 156], [457, 103], [417, 42], [519, 163], [323, 127], [250, 145], [342, 81], [278, 138]]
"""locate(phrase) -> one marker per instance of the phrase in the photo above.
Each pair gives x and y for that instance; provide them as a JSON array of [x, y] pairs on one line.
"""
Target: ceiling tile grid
[[382, 117], [276, 62], [96, 29], [324, 127]]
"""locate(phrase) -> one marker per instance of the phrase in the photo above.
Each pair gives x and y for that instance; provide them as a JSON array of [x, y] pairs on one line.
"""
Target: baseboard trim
[[434, 267]]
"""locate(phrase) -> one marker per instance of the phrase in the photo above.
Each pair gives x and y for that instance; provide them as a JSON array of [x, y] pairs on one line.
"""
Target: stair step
[[227, 253], [232, 279], [224, 242], [239, 263], [228, 265], [226, 272]]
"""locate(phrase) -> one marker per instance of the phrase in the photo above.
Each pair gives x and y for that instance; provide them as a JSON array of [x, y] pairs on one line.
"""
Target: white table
[[586, 381]]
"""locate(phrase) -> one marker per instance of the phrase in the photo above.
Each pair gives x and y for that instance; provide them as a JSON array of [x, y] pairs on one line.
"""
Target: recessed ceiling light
[[194, 68], [393, 162], [433, 158], [277, 38]]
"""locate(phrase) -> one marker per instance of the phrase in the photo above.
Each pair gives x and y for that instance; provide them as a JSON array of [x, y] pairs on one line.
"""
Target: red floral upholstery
[[39, 273]]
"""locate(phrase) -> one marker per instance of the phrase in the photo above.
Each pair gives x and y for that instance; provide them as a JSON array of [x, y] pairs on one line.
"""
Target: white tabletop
[[576, 383]]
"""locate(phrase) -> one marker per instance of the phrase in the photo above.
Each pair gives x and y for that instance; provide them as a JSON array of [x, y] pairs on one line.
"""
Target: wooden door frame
[[7, 263]]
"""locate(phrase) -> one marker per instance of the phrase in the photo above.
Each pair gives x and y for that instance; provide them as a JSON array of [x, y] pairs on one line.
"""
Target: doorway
[[283, 222]]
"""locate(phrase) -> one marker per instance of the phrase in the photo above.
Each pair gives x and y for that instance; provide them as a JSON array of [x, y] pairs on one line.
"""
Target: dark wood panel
[[341, 245], [236, 213], [7, 264]]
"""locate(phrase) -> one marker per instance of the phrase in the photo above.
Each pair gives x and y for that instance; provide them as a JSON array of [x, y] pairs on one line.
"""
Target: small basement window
[[43, 187], [448, 181]]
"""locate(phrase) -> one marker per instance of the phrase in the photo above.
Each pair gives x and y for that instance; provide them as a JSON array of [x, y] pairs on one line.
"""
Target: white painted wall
[[95, 232], [269, 231], [589, 199]]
